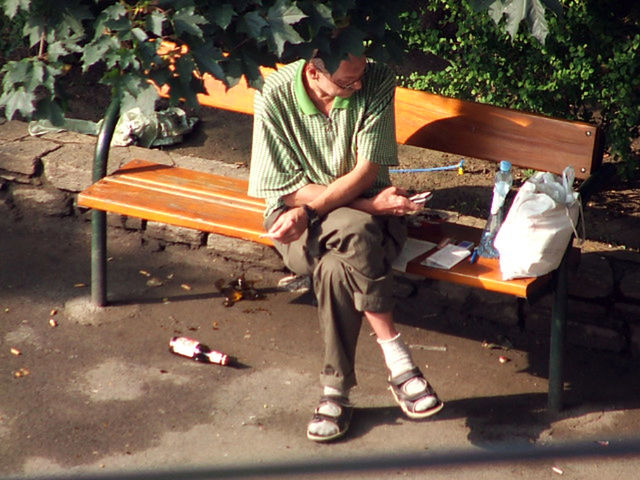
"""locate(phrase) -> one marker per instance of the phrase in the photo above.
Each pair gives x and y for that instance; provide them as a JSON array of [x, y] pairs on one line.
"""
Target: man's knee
[[358, 239]]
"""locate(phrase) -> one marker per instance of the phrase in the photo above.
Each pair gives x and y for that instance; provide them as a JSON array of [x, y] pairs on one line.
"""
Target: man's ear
[[312, 70]]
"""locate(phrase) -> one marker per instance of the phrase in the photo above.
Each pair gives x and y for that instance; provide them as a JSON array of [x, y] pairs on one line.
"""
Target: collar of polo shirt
[[304, 101]]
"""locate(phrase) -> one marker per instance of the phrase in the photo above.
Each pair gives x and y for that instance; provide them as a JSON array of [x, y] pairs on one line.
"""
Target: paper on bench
[[412, 249], [447, 257]]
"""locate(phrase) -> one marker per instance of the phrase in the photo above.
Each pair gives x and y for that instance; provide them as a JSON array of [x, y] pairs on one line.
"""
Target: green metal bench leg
[[99, 258], [99, 218], [558, 329]]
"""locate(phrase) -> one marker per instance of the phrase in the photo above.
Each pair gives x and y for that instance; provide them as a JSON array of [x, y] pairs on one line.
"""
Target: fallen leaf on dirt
[[154, 282], [23, 372]]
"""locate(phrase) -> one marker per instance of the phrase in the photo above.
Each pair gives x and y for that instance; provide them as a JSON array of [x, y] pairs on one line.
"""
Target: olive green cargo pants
[[349, 255]]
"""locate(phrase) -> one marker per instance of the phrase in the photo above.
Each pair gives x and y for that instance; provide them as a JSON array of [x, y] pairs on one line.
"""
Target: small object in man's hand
[[423, 197]]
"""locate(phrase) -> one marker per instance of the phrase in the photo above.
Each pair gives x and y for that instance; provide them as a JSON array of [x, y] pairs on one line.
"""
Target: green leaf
[[208, 58], [56, 50], [185, 21], [18, 100], [515, 11], [233, 71], [11, 7], [139, 34], [96, 50], [155, 21], [185, 67], [114, 18], [16, 72], [136, 92], [280, 18], [496, 10], [320, 16], [35, 76], [222, 14], [538, 21], [33, 28], [252, 24]]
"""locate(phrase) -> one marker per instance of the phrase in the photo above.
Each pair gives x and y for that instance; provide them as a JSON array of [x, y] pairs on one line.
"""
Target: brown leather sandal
[[408, 402], [342, 421]]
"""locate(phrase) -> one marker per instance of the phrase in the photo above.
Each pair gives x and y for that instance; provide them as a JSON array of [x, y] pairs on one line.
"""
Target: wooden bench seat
[[219, 204], [181, 197]]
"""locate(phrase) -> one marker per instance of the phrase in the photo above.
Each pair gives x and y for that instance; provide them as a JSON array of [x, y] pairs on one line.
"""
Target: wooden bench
[[219, 204]]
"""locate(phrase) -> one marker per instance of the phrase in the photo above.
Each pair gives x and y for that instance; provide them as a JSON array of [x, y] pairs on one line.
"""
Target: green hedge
[[588, 69]]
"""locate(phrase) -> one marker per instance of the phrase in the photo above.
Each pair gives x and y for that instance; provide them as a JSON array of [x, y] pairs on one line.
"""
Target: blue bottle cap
[[505, 166]]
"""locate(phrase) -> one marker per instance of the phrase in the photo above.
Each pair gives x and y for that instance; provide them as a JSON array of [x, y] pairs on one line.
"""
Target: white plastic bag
[[538, 227]]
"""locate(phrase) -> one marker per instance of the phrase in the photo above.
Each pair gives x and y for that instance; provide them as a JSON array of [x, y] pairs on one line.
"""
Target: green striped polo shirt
[[294, 144]]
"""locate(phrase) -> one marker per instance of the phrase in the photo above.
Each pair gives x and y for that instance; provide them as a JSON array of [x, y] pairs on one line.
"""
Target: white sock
[[398, 360], [324, 428], [396, 355], [335, 392]]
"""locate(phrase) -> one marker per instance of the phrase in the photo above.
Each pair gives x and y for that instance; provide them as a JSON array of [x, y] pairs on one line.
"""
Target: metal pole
[[99, 217], [558, 329]]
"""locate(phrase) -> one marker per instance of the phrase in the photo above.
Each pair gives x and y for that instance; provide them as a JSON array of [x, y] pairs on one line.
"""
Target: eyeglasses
[[348, 86]]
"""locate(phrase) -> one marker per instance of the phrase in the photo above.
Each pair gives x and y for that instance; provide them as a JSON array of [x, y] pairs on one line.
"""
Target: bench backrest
[[466, 128]]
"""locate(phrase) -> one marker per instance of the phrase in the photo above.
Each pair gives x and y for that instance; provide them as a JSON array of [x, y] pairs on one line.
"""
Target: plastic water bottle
[[501, 188]]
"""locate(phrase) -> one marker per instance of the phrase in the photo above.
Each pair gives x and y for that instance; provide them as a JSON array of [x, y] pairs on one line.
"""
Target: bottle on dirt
[[188, 347], [502, 185]]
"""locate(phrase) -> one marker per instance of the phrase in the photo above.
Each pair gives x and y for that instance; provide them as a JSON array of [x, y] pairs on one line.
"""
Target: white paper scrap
[[412, 249], [446, 257]]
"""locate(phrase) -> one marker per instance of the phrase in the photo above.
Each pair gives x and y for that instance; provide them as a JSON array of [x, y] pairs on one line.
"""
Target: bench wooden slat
[[214, 211], [464, 128], [492, 133], [182, 181]]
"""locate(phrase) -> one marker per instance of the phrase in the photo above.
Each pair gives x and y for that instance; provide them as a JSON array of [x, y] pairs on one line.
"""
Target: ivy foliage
[[588, 69]]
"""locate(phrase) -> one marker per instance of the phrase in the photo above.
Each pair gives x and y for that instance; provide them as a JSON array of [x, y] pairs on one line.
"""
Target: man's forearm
[[344, 191], [310, 192]]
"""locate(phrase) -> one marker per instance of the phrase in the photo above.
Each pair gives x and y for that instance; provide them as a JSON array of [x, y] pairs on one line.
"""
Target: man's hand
[[393, 201], [289, 225]]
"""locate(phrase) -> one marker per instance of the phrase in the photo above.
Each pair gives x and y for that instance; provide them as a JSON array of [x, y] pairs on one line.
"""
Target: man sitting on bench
[[322, 145]]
